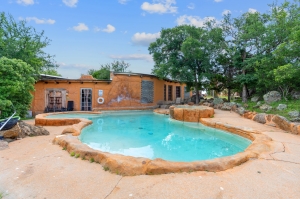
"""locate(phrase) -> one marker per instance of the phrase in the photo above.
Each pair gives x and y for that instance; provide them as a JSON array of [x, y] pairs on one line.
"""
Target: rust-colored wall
[[123, 91]]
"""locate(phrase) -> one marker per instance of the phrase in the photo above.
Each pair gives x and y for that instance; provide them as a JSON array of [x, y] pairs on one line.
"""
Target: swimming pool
[[149, 135]]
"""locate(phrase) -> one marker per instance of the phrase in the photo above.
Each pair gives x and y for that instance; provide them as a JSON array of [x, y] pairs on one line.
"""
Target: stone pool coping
[[41, 120], [127, 165]]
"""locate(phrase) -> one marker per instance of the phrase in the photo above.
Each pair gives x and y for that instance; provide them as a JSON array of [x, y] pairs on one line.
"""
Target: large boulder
[[296, 95], [265, 107], [281, 107], [295, 119], [282, 123], [272, 96], [255, 99], [218, 106], [30, 130], [227, 106], [12, 133], [294, 113], [240, 110], [260, 118], [218, 101]]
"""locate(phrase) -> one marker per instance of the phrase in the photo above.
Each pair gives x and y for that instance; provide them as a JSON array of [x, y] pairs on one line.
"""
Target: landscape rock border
[[263, 118], [275, 121], [127, 165]]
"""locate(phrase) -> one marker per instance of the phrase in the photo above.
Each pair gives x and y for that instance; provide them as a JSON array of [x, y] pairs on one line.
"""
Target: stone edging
[[127, 165], [188, 113], [275, 121], [41, 120]]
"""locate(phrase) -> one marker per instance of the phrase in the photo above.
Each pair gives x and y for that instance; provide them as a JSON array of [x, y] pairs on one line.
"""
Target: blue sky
[[87, 33]]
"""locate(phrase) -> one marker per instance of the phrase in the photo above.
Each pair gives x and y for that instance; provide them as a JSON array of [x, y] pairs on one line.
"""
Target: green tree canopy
[[185, 53], [16, 83], [104, 71], [20, 41]]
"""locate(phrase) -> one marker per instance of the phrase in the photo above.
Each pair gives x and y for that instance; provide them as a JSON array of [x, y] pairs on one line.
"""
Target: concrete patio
[[35, 168]]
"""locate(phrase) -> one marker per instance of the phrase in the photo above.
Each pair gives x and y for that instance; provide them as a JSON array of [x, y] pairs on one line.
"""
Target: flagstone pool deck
[[35, 168]]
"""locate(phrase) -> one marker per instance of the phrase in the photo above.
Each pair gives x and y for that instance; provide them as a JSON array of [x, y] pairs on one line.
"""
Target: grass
[[72, 154], [92, 160], [77, 155], [292, 105], [105, 168]]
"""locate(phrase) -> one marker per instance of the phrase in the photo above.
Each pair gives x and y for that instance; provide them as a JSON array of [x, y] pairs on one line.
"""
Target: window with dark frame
[[170, 93], [147, 92], [165, 93], [86, 99], [178, 91]]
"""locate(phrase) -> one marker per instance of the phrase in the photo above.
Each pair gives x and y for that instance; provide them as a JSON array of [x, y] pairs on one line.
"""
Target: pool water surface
[[150, 135]]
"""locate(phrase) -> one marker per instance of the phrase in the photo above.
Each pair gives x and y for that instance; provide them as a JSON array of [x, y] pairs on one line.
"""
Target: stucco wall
[[123, 91]]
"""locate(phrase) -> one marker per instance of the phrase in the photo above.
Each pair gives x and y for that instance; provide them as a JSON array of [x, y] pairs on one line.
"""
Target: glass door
[[86, 99]]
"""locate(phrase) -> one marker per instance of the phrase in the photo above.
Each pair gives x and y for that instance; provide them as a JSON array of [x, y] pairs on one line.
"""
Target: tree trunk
[[229, 94], [197, 90], [244, 94]]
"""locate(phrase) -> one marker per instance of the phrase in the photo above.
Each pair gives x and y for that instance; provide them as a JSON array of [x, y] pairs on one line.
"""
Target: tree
[[119, 66], [184, 53], [243, 46], [19, 41], [16, 83], [104, 71]]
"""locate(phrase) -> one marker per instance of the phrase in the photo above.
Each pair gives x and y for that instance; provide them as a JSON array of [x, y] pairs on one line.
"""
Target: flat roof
[[52, 78]]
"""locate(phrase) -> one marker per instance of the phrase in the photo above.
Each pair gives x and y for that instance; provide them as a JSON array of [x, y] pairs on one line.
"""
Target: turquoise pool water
[[73, 115], [146, 134]]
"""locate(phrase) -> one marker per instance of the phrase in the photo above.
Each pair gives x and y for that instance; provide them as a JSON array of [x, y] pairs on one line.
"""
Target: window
[[178, 91], [147, 92], [86, 99], [55, 100], [165, 93], [170, 93]]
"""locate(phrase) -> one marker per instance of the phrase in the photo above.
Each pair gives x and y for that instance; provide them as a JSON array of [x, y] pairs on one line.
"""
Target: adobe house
[[122, 91]]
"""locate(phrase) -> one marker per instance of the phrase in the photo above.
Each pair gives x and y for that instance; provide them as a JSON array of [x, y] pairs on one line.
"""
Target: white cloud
[[218, 1], [97, 29], [160, 6], [123, 1], [81, 27], [109, 29], [145, 57], [70, 3], [193, 20], [25, 2], [226, 12], [78, 66], [39, 21], [191, 6], [144, 39], [252, 10]]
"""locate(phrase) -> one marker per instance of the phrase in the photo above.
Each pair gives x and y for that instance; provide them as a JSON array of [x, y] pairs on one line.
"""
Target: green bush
[[16, 83]]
